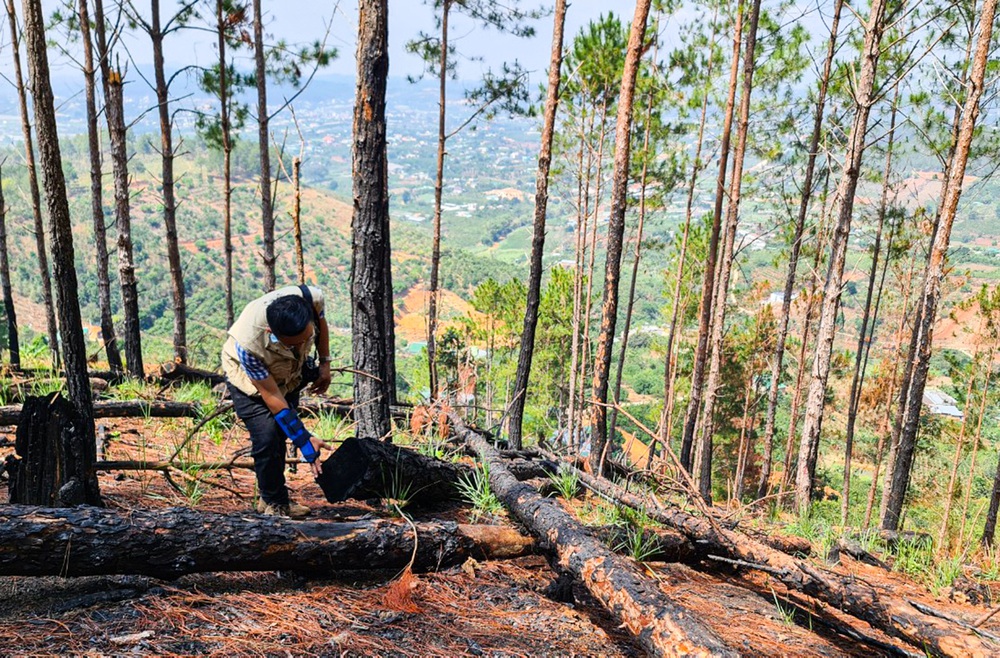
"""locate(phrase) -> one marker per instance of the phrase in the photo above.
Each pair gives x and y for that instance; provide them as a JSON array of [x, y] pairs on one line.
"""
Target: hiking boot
[[291, 510], [297, 511]]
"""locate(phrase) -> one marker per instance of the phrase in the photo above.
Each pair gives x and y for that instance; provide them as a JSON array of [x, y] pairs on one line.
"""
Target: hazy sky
[[302, 21]]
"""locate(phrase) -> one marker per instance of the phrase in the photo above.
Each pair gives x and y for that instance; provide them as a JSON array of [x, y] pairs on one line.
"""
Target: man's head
[[290, 320]]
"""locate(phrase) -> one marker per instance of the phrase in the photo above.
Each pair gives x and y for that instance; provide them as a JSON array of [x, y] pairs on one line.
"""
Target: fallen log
[[897, 618], [173, 371], [10, 414], [363, 468], [86, 541], [661, 626]]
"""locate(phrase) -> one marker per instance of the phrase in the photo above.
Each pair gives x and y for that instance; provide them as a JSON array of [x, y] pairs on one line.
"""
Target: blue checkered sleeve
[[252, 366]]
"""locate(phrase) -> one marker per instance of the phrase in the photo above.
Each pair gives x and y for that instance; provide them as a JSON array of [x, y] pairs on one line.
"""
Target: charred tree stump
[[54, 467], [87, 541], [661, 626], [850, 595], [363, 468]]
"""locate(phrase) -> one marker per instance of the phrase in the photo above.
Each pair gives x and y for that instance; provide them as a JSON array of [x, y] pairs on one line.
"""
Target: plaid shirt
[[252, 366]]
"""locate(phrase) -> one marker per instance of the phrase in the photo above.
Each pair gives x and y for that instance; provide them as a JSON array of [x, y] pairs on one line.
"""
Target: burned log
[[660, 625], [172, 371], [10, 414], [54, 464], [845, 593], [85, 541], [363, 468]]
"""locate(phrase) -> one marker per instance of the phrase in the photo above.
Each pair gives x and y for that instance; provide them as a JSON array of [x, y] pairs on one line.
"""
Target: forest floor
[[494, 608]]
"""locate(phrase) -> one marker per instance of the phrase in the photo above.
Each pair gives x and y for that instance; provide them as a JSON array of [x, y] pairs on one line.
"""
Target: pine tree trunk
[[616, 231], [63, 260], [708, 278], [868, 318], [300, 262], [704, 459], [831, 294], [266, 209], [36, 200], [538, 234], [432, 300], [114, 110], [227, 150], [369, 241], [930, 296], [777, 361], [96, 195], [574, 412], [167, 182], [8, 296], [623, 351]]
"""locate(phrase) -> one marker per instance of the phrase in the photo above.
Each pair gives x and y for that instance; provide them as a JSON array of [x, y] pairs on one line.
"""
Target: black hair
[[288, 315]]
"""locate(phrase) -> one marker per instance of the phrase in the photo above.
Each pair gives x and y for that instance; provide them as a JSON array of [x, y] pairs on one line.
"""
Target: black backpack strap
[[307, 295]]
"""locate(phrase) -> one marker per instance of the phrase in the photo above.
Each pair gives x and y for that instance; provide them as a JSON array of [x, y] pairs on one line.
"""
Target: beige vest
[[252, 333]]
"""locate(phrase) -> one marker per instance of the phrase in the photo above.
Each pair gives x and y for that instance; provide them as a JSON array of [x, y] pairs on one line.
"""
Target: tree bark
[[369, 235], [300, 261], [864, 98], [931, 293], [845, 593], [170, 543], [8, 295], [73, 346], [96, 196], [793, 258], [661, 626], [708, 278], [227, 151], [266, 210], [704, 457], [36, 202], [438, 189], [524, 358], [114, 110], [869, 316], [156, 35], [616, 231]]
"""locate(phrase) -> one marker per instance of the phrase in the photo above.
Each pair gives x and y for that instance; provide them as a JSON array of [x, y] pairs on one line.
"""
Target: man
[[265, 363]]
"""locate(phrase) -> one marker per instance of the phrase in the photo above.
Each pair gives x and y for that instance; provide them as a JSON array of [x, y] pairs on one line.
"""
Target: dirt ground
[[497, 608]]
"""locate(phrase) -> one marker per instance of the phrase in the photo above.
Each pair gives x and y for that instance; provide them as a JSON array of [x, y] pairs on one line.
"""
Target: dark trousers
[[267, 439]]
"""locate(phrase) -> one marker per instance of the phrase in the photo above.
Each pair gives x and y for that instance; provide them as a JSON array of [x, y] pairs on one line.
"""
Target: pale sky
[[304, 21]]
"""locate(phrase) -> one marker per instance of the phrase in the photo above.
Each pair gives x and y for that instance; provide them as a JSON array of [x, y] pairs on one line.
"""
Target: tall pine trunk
[[266, 208], [300, 261], [616, 231], [36, 199], [708, 278], [369, 240], [167, 182], [582, 216], [869, 316], [864, 98], [114, 111], [96, 197], [777, 361], [704, 460], [432, 300], [538, 234], [73, 346], [8, 296], [931, 293], [227, 151]]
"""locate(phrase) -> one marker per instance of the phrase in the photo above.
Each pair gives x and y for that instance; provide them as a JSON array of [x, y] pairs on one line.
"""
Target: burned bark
[[661, 626], [8, 295], [169, 543], [174, 371], [846, 593]]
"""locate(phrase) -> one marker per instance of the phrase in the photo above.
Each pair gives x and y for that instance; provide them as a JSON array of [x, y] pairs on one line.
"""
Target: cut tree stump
[[363, 468], [86, 541], [53, 466], [845, 593], [662, 627]]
